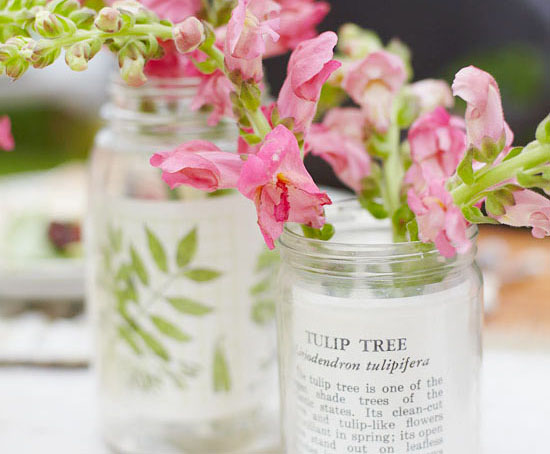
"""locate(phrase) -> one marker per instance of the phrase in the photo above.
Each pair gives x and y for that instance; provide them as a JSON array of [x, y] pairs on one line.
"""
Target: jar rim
[[320, 254]]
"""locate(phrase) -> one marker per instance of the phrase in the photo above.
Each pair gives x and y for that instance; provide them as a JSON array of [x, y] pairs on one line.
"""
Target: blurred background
[[55, 115]]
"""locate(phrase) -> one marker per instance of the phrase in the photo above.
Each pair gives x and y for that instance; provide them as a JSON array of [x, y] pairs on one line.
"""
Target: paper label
[[383, 376], [185, 309]]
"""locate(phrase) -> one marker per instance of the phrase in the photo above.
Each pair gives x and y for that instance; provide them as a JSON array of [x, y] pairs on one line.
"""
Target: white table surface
[[48, 411]]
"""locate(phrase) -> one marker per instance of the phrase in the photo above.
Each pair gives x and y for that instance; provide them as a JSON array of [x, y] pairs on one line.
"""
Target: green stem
[[533, 155]]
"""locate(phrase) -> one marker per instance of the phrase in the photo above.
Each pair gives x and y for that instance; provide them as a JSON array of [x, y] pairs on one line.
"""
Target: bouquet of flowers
[[444, 174]]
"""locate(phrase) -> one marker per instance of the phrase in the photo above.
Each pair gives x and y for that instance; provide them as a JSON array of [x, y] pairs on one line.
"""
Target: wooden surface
[[523, 311]]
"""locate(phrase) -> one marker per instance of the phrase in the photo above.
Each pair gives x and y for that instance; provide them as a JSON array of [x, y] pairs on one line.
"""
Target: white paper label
[[383, 376], [183, 334]]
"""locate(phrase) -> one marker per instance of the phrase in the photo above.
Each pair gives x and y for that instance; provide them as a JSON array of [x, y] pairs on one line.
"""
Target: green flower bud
[[14, 64], [543, 131], [136, 11], [79, 54], [43, 53], [83, 17], [48, 24], [357, 42], [131, 71], [63, 7], [108, 20]]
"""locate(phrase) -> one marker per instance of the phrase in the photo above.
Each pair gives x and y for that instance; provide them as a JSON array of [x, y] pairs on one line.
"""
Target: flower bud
[[189, 35], [48, 24], [131, 71], [14, 64], [78, 56], [43, 53], [109, 20], [83, 17], [543, 131]]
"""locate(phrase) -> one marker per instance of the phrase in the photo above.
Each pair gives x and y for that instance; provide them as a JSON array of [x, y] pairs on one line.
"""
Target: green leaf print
[[138, 266], [263, 312], [157, 251], [187, 249], [189, 307], [156, 347], [267, 259], [169, 329], [115, 238], [202, 274], [126, 333], [220, 371]]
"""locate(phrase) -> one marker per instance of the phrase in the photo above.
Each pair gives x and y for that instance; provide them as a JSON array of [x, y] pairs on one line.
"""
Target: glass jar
[[180, 287], [379, 343]]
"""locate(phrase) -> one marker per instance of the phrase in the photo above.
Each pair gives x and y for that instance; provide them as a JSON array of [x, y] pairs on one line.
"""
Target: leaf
[[263, 312], [261, 286], [124, 272], [189, 306], [494, 206], [139, 267], [128, 335], [220, 193], [465, 169], [376, 209], [157, 251], [169, 329], [323, 234], [187, 248], [475, 216], [202, 274], [513, 153], [156, 347], [267, 259], [220, 371], [412, 228]]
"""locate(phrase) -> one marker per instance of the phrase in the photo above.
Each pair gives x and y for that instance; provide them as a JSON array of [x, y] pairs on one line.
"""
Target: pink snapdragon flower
[[348, 121], [339, 141], [299, 18], [277, 181], [484, 114], [251, 23], [173, 10], [530, 210], [310, 66], [214, 90], [439, 220], [438, 143], [6, 139], [373, 83], [199, 164], [432, 93]]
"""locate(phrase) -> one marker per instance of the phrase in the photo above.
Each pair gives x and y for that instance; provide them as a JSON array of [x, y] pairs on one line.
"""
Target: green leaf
[[128, 335], [412, 228], [189, 307], [251, 96], [465, 169], [202, 274], [513, 153], [261, 286], [124, 272], [169, 329], [488, 152], [187, 248], [251, 139], [376, 209], [475, 216], [157, 251], [263, 312], [323, 234], [220, 372], [206, 67], [220, 193], [139, 267], [154, 345], [494, 206], [543, 131]]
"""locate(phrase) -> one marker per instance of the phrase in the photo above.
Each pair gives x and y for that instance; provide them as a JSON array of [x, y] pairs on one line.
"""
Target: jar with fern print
[[180, 288]]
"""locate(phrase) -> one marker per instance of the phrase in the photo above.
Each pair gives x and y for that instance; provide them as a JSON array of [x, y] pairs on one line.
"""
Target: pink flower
[[299, 18], [188, 35], [438, 143], [173, 10], [214, 90], [199, 164], [6, 139], [530, 210], [348, 157], [439, 220], [252, 21], [348, 121], [484, 115], [310, 66], [432, 93], [373, 84], [277, 181], [173, 64]]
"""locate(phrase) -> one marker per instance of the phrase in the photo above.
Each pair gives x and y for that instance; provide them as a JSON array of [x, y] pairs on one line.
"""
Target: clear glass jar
[[180, 285], [379, 343]]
